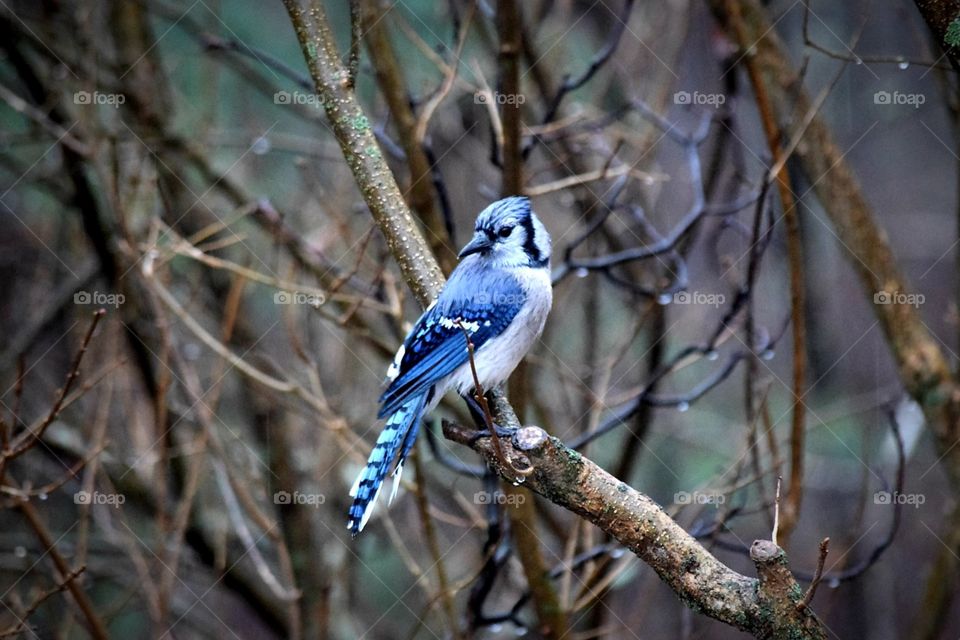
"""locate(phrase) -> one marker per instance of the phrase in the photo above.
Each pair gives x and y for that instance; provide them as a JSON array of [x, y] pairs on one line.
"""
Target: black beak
[[479, 243]]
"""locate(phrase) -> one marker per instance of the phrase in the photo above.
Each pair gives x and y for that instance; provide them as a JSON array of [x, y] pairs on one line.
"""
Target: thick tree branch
[[766, 607], [355, 135]]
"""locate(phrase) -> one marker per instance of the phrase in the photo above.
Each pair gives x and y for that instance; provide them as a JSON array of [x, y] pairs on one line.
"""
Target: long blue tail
[[400, 430]]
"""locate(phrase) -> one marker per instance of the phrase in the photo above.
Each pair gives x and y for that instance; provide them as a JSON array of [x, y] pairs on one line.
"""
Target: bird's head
[[509, 234]]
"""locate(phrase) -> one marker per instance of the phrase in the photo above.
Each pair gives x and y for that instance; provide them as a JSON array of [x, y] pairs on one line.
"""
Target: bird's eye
[[505, 232]]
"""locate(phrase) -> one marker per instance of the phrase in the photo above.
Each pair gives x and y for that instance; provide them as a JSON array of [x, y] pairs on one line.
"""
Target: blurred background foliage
[[204, 173]]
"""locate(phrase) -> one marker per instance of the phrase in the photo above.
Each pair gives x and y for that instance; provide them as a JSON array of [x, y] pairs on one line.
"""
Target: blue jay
[[500, 294]]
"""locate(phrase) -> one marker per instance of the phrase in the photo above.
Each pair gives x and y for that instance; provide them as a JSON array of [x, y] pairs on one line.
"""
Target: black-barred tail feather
[[400, 430], [499, 295]]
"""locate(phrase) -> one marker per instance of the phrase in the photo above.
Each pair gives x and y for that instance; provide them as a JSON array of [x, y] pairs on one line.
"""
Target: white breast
[[499, 356]]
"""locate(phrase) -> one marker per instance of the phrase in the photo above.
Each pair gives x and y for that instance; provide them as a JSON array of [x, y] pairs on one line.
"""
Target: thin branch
[[355, 136], [818, 574], [571, 84], [95, 625], [922, 365], [25, 440], [61, 586], [356, 34]]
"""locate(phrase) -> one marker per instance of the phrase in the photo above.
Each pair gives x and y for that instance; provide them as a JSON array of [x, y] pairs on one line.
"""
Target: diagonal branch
[[355, 136], [702, 582]]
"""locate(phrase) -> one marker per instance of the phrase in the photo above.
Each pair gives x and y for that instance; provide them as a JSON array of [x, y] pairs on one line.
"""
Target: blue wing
[[437, 346]]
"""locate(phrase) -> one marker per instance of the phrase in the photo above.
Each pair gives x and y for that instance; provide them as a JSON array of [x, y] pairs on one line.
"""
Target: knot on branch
[[529, 438], [778, 593]]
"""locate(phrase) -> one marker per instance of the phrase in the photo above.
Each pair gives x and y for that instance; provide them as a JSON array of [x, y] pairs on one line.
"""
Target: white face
[[510, 236]]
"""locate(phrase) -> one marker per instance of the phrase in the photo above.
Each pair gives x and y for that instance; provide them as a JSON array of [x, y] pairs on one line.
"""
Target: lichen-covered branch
[[767, 606], [355, 136], [943, 18]]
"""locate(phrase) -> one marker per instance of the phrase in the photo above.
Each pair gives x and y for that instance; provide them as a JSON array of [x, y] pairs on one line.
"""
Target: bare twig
[[480, 396], [818, 574], [771, 129], [61, 585], [776, 513], [95, 625], [24, 441]]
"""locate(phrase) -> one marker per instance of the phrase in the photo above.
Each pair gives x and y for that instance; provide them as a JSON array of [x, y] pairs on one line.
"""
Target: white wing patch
[[394, 369], [459, 323]]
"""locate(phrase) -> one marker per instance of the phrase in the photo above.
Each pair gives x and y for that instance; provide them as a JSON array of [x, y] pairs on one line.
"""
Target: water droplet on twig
[[260, 146]]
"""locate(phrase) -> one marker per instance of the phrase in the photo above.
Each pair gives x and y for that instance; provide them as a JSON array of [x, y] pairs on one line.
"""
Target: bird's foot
[[502, 432]]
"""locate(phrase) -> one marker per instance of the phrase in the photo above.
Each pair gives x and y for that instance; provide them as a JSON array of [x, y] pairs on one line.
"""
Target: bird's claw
[[502, 432]]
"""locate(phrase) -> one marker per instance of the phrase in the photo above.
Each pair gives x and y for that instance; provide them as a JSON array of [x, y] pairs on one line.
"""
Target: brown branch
[[921, 363], [817, 576], [791, 505], [355, 136], [15, 630], [550, 613], [444, 592], [481, 397], [509, 23], [933, 614], [766, 607], [391, 80], [95, 625], [25, 440]]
